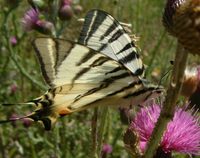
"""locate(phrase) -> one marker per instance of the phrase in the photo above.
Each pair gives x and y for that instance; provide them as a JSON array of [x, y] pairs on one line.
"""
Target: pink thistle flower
[[182, 133], [13, 40], [13, 88], [26, 122], [106, 149], [13, 117], [30, 19]]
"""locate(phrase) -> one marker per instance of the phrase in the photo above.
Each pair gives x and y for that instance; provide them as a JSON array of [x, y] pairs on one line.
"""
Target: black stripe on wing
[[91, 22], [104, 33], [104, 84], [121, 90], [46, 76], [98, 62], [51, 53]]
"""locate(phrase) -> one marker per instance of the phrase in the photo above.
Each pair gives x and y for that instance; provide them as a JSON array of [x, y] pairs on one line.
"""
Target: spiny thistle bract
[[181, 18]]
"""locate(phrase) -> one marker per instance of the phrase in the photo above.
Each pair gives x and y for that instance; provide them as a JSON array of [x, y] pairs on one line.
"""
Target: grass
[[71, 137]]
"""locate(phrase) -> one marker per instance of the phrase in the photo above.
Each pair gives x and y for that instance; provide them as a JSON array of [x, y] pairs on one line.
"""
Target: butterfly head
[[152, 91]]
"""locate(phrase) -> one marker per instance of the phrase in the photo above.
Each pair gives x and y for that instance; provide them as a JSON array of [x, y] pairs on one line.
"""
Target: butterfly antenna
[[165, 74]]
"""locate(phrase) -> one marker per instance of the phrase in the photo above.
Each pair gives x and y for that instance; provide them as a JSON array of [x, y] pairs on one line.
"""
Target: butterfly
[[102, 68]]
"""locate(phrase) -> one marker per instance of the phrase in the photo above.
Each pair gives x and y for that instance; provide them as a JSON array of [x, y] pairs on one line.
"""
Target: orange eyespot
[[64, 112]]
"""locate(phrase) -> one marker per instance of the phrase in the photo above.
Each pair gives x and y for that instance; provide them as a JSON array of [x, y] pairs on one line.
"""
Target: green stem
[[33, 152], [63, 141], [11, 51], [170, 101], [24, 72], [104, 112], [2, 147], [154, 53], [94, 133]]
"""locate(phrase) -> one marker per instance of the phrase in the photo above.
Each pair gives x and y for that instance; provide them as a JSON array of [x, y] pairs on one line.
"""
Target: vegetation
[[21, 79]]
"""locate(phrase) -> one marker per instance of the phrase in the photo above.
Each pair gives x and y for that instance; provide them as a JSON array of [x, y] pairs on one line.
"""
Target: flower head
[[191, 86], [107, 148], [30, 19], [190, 82], [27, 122], [78, 9], [44, 26], [65, 12], [13, 88], [13, 40], [182, 133], [13, 117], [181, 19]]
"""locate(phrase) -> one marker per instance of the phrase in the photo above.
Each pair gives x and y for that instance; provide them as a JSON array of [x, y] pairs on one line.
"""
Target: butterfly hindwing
[[103, 33]]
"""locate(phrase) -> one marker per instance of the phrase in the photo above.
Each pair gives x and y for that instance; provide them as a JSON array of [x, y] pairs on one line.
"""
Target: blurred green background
[[20, 79]]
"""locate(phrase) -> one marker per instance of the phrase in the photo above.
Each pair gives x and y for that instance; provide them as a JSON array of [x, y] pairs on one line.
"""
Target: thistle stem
[[101, 132], [170, 101], [94, 133]]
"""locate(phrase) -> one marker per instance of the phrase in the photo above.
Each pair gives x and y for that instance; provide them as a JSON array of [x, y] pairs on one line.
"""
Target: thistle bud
[[78, 9], [65, 12], [44, 27], [131, 142], [13, 40], [191, 81], [106, 149], [13, 88], [13, 117], [194, 99], [181, 19], [27, 122]]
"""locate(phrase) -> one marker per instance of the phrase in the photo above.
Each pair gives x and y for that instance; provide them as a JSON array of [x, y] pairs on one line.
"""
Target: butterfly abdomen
[[46, 111]]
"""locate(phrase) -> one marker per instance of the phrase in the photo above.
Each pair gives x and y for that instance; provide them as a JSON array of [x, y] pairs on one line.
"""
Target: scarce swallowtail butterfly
[[102, 68]]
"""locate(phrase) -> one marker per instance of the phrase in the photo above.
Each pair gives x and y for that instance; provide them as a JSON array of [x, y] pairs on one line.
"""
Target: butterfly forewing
[[103, 33], [83, 75], [51, 53]]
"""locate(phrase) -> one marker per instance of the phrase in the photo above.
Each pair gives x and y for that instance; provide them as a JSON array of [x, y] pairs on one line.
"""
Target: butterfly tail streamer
[[44, 112], [13, 104]]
